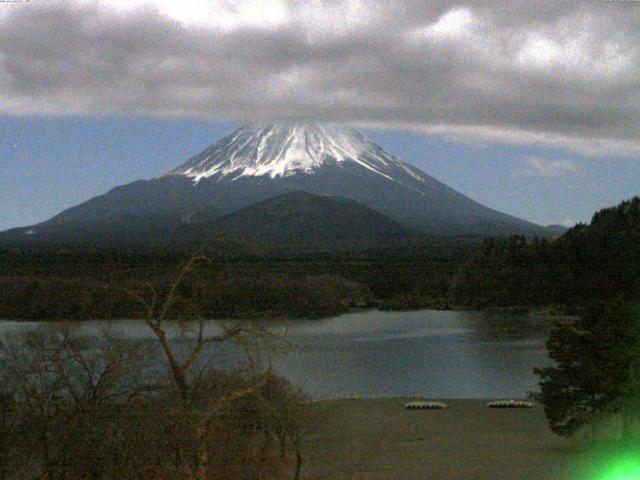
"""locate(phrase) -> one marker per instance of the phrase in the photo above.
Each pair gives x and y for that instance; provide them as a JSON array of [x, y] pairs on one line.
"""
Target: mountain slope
[[302, 219], [292, 222], [258, 162]]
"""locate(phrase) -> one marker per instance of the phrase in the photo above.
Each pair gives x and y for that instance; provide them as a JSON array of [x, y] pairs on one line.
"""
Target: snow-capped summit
[[284, 150]]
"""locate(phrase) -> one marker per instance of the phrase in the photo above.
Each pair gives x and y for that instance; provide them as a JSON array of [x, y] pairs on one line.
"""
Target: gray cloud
[[563, 74]]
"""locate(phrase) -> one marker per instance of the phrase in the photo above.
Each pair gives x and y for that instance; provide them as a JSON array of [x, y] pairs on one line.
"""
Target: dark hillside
[[306, 220], [596, 261]]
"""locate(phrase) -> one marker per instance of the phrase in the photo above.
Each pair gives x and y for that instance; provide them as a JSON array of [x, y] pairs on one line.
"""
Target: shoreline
[[548, 310]]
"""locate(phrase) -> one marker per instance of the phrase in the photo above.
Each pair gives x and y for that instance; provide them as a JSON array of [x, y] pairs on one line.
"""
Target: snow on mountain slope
[[281, 151]]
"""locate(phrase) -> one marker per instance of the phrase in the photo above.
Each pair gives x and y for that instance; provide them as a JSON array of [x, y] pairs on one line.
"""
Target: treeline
[[103, 285], [599, 261], [77, 407], [58, 297]]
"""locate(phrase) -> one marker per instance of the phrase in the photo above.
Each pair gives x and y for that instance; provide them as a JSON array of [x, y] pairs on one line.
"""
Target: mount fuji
[[256, 163]]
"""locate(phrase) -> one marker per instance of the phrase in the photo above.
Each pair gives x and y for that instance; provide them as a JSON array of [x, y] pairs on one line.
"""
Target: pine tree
[[597, 369]]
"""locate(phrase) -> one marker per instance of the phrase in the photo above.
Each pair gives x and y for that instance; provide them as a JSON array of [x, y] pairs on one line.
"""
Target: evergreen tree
[[597, 369]]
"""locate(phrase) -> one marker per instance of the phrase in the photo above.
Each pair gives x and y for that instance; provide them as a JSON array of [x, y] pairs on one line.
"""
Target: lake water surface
[[437, 354]]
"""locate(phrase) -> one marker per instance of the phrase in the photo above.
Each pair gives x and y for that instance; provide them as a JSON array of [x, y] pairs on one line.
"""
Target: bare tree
[[66, 387], [203, 412]]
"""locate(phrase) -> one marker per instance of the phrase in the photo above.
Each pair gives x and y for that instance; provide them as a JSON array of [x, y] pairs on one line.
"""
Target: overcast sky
[[551, 88]]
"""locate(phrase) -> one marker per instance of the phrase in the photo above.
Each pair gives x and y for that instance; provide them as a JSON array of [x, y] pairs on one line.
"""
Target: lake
[[437, 354]]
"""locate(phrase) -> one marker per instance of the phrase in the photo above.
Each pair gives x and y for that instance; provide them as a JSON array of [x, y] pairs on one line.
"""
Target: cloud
[[560, 74], [550, 168]]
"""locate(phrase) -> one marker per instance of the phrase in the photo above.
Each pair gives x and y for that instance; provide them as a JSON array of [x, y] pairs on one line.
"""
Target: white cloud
[[219, 14], [455, 23], [539, 51]]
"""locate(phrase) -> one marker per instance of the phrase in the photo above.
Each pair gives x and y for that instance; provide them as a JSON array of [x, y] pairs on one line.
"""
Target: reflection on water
[[438, 354]]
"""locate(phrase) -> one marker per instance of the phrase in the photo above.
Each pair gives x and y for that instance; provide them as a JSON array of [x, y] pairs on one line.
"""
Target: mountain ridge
[[255, 163]]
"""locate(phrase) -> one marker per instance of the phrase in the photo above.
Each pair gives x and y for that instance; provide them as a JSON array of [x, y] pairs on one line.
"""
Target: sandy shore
[[379, 439]]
